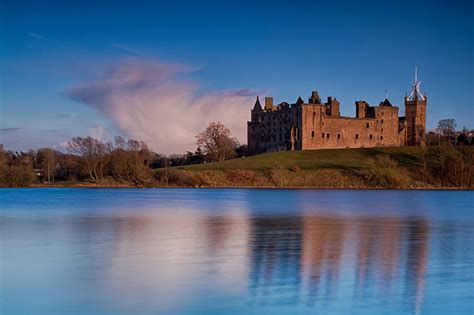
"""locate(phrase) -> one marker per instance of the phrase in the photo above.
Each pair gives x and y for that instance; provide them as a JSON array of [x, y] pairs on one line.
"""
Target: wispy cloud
[[127, 49], [9, 130], [16, 129], [146, 100], [36, 36]]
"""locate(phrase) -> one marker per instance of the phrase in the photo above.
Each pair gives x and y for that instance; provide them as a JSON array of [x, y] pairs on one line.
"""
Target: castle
[[316, 125]]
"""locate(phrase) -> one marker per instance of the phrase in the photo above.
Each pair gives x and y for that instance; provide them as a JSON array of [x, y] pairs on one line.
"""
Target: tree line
[[124, 161], [446, 134]]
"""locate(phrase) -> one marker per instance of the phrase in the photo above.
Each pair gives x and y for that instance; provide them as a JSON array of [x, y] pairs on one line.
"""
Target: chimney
[[268, 103], [315, 99]]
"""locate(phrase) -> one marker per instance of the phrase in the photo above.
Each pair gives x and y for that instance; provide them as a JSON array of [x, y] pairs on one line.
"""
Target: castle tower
[[254, 128], [415, 114]]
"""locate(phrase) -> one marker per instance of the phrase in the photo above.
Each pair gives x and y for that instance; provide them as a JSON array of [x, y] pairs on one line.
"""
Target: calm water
[[205, 251]]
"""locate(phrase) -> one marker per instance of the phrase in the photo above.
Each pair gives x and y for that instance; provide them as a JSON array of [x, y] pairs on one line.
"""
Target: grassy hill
[[317, 159], [404, 167]]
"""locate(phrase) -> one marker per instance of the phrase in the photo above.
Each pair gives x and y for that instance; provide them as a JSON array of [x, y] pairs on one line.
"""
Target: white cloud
[[147, 101]]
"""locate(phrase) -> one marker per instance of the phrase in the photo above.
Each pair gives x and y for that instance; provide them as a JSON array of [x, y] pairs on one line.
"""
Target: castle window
[[381, 137], [312, 133], [323, 134], [357, 136], [382, 113], [370, 136], [381, 121], [327, 136], [381, 130], [368, 125], [339, 136]]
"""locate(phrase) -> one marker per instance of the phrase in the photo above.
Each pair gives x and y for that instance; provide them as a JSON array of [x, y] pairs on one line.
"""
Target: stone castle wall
[[314, 125], [320, 131]]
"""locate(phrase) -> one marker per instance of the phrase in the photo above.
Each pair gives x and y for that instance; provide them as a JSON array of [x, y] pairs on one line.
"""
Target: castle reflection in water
[[300, 259]]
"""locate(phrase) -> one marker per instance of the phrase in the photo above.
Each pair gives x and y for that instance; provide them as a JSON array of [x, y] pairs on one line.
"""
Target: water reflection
[[224, 259], [323, 239], [275, 259], [298, 259]]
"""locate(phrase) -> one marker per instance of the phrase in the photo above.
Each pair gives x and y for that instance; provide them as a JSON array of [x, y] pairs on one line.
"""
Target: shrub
[[17, 176], [240, 175], [383, 172], [175, 177], [278, 176], [452, 166]]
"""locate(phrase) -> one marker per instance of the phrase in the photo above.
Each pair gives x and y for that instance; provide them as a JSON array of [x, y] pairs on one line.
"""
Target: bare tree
[[216, 142], [138, 161], [446, 127], [93, 153], [119, 160], [48, 161], [129, 161], [3, 156]]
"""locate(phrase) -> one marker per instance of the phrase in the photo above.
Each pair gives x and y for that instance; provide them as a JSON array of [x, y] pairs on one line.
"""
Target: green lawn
[[316, 159]]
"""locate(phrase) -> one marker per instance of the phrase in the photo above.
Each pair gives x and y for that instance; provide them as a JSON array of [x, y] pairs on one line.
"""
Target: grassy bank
[[405, 167]]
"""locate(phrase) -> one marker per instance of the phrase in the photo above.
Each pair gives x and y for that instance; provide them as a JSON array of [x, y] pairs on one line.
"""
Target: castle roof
[[386, 102], [299, 101], [257, 106]]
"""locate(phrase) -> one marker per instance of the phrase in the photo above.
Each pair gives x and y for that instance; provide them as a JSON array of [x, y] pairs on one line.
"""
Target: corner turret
[[257, 106]]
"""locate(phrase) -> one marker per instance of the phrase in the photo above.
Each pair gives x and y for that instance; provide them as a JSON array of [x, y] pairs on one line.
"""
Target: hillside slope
[[405, 167], [317, 159]]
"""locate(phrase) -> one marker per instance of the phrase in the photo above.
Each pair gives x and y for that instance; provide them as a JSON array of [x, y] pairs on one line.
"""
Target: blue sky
[[347, 49]]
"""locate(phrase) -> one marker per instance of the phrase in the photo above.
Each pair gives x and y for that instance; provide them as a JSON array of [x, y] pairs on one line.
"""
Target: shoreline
[[96, 186]]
